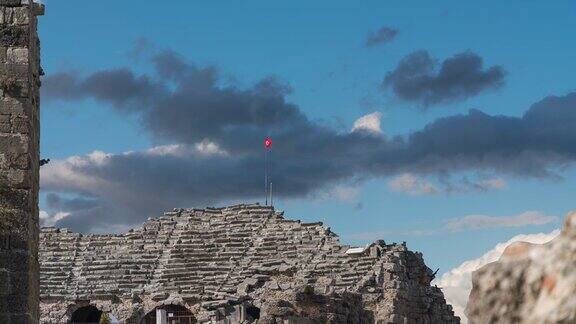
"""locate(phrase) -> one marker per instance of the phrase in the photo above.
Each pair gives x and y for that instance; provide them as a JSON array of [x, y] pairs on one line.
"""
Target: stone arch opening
[[169, 314], [86, 315]]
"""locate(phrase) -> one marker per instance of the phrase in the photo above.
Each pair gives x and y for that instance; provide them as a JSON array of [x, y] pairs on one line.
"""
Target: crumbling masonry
[[238, 264], [529, 284], [19, 147]]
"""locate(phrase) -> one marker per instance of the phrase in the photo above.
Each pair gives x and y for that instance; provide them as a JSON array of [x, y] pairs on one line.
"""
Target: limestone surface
[[531, 283], [238, 264], [19, 160]]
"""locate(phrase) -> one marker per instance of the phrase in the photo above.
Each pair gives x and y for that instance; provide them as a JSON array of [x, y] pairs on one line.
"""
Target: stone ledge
[[39, 9], [12, 3]]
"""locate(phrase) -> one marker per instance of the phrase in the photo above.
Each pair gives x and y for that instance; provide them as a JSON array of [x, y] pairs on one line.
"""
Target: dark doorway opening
[[253, 312], [86, 315]]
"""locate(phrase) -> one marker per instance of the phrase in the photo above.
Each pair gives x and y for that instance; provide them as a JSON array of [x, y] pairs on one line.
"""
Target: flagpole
[[270, 173], [266, 175], [267, 147], [271, 195]]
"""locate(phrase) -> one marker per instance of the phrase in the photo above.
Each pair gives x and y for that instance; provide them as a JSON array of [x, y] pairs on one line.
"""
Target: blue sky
[[318, 49]]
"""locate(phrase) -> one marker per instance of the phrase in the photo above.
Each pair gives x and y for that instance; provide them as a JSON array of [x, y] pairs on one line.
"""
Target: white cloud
[[411, 184], [98, 158], [346, 193], [370, 122], [341, 193], [162, 150], [47, 219], [129, 186], [204, 148], [457, 283], [64, 174], [208, 148], [484, 221]]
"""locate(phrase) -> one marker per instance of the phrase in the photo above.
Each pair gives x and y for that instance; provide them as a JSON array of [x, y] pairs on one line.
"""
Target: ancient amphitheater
[[239, 264]]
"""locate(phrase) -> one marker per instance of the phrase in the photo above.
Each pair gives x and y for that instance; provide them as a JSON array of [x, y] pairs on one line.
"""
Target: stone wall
[[531, 283], [19, 161], [218, 262]]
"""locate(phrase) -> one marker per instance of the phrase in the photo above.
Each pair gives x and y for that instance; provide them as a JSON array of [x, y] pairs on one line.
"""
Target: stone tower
[[19, 161]]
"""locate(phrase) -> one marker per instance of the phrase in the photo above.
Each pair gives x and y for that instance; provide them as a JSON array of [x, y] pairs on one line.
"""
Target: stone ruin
[[531, 283], [238, 264], [19, 160]]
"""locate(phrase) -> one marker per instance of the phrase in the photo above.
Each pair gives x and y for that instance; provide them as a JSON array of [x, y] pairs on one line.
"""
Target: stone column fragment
[[19, 161]]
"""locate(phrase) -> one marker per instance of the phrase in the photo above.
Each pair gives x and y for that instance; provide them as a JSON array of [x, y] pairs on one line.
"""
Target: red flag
[[267, 142]]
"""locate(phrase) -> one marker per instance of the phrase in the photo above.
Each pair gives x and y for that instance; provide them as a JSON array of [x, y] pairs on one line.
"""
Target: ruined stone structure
[[531, 283], [19, 161], [239, 264]]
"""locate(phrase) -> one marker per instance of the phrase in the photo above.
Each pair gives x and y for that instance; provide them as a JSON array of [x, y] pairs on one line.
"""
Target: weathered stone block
[[530, 283], [18, 55], [13, 221], [5, 127], [15, 178], [5, 285], [13, 87], [10, 3], [21, 125], [14, 36], [21, 162], [12, 260], [4, 161], [14, 143], [14, 71], [3, 50], [21, 16], [11, 106]]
